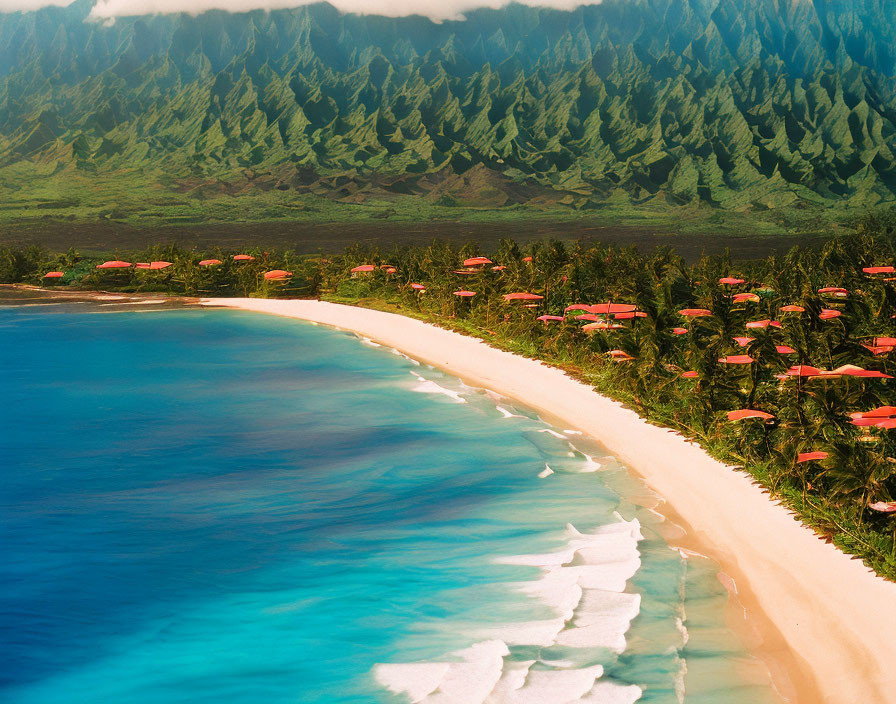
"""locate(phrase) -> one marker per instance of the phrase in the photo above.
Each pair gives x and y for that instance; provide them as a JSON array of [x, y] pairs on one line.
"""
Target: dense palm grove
[[769, 363]]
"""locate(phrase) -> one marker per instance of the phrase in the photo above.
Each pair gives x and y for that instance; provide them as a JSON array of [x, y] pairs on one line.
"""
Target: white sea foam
[[427, 386], [508, 414], [555, 685], [573, 432], [607, 692], [552, 432], [583, 583], [546, 472], [470, 680], [404, 356], [370, 343]]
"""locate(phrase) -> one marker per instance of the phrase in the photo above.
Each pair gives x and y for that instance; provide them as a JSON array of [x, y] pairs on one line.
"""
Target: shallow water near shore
[[222, 506]]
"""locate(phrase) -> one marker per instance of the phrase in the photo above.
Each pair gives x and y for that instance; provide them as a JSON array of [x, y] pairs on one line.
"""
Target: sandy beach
[[823, 621]]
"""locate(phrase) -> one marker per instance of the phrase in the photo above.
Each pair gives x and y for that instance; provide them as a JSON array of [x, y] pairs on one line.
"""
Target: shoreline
[[818, 618]]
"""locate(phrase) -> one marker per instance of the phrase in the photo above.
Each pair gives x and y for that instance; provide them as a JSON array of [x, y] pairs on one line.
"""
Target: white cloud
[[435, 9]]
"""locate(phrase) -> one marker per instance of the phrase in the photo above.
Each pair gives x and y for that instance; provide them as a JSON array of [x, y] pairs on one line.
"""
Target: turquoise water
[[215, 506]]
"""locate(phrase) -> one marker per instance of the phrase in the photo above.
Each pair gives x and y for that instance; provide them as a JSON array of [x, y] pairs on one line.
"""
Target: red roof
[[853, 370], [608, 308], [679, 331], [418, 287], [690, 375], [210, 262], [760, 324], [588, 316], [159, 265], [577, 306], [522, 296], [879, 412], [793, 309], [549, 318], [748, 413], [390, 269], [784, 349], [695, 312], [243, 258], [527, 259], [828, 313], [465, 294], [879, 269], [809, 456], [878, 349], [114, 264], [737, 359], [630, 314], [804, 370], [834, 290], [477, 261], [744, 297], [54, 274], [619, 355], [743, 341], [883, 506], [498, 268], [730, 281], [277, 275], [363, 268], [885, 341]]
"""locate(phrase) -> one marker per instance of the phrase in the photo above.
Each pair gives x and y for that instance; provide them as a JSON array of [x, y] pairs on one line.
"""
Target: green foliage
[[306, 111]]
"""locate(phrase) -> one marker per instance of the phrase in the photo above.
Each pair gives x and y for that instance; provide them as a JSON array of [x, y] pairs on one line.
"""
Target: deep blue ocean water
[[215, 506]]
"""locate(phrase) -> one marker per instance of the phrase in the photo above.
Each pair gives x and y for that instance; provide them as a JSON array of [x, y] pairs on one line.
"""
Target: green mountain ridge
[[735, 104]]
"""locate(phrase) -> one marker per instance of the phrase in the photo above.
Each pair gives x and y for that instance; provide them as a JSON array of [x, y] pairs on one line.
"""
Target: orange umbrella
[[891, 341], [522, 297], [115, 264], [695, 312], [804, 370], [588, 316], [828, 314], [878, 349], [883, 506], [879, 269], [784, 349], [809, 456], [465, 294], [793, 309], [680, 331], [608, 308], [363, 268], [745, 298], [730, 281], [577, 306], [833, 291], [748, 413], [743, 341], [689, 375], [277, 275], [498, 268], [762, 324], [210, 262], [477, 261], [527, 259], [54, 274], [243, 258], [737, 359], [142, 265], [159, 265], [629, 315], [548, 318], [389, 269], [853, 370], [418, 287]]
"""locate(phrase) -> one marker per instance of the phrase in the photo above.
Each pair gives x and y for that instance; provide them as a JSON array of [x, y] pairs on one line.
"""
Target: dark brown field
[[308, 238]]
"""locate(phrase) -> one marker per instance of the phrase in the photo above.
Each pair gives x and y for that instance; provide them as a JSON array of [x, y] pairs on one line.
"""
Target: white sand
[[836, 617]]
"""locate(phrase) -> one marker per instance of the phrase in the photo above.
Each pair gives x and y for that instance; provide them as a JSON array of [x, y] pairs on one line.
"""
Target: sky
[[435, 9]]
